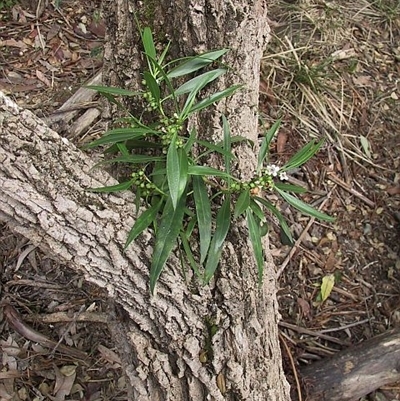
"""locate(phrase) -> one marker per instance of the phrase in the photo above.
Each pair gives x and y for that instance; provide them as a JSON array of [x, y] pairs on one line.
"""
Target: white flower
[[272, 169], [283, 176]]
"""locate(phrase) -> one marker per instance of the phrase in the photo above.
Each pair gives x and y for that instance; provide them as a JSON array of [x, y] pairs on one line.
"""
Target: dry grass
[[331, 70]]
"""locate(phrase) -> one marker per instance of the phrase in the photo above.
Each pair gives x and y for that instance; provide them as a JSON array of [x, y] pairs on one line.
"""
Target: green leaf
[[112, 91], [257, 211], [255, 239], [152, 85], [265, 144], [279, 216], [189, 253], [223, 222], [195, 63], [303, 155], [203, 213], [214, 148], [113, 188], [134, 159], [290, 187], [242, 203], [227, 146], [148, 43], [303, 207], [143, 221], [200, 81], [214, 98], [177, 171], [192, 139], [120, 135], [166, 236], [207, 171]]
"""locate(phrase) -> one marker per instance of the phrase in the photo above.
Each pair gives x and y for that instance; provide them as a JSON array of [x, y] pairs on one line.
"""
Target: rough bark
[[43, 182], [356, 372], [42, 196]]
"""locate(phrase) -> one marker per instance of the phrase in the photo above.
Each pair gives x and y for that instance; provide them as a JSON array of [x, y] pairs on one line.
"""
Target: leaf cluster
[[186, 202]]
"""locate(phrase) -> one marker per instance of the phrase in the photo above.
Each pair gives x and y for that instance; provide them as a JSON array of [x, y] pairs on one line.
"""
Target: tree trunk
[[43, 182]]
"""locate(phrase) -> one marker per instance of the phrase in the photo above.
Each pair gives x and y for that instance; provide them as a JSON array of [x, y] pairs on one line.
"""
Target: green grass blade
[[195, 63], [265, 145], [282, 221], [113, 188], [214, 98], [242, 203], [303, 155], [255, 239], [203, 79], [290, 187], [304, 207], [207, 171], [166, 236], [203, 213], [177, 171], [142, 222], [223, 222]]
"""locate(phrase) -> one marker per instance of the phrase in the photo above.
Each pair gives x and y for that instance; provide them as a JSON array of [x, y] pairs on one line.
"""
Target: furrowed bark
[[43, 196], [163, 338]]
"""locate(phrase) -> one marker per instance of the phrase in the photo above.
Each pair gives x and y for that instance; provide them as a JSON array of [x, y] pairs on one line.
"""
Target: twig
[[347, 187], [296, 377], [15, 321], [312, 333], [347, 326], [58, 317]]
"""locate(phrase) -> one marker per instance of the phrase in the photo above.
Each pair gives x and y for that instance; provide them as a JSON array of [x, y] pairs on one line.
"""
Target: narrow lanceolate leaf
[[303, 207], [266, 142], [143, 221], [121, 135], [113, 188], [290, 187], [242, 203], [195, 63], [148, 43], [223, 222], [204, 79], [152, 85], [189, 253], [282, 222], [207, 171], [177, 171], [303, 155], [166, 236], [255, 239], [214, 98], [227, 145], [203, 213]]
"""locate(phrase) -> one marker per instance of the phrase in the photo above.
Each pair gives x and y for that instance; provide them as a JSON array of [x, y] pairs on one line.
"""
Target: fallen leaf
[[326, 287], [43, 78], [304, 307], [393, 190], [13, 43]]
